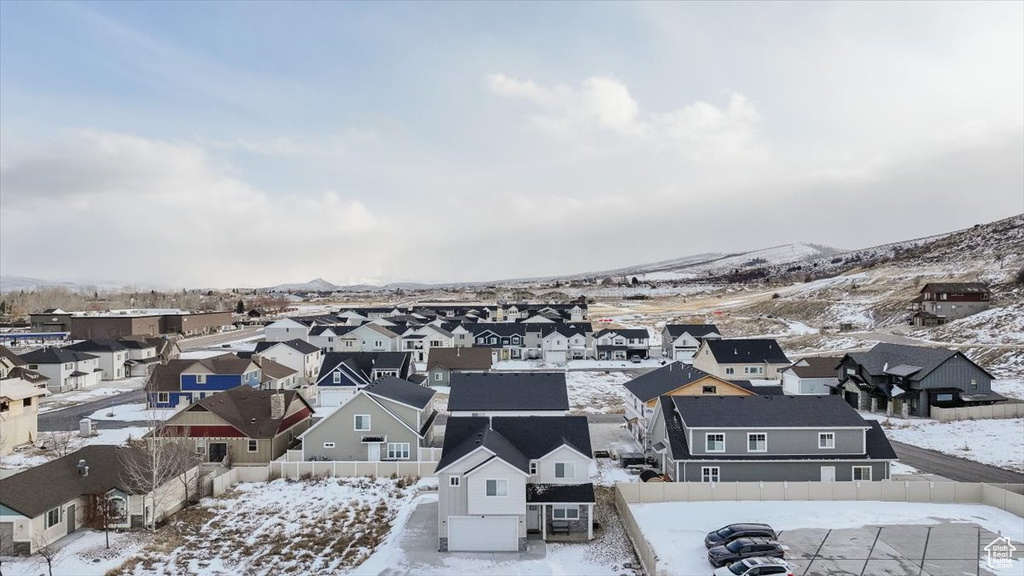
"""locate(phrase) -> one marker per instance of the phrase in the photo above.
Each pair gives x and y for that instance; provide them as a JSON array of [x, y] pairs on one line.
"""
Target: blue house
[[184, 381]]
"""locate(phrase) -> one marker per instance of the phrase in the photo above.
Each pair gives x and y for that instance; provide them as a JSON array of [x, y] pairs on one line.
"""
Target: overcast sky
[[229, 144]]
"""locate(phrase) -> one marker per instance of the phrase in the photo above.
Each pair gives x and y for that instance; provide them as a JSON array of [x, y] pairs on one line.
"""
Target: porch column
[[543, 522], [590, 521]]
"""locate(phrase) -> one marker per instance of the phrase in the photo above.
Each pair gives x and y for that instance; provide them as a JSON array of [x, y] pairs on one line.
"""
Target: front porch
[[560, 512]]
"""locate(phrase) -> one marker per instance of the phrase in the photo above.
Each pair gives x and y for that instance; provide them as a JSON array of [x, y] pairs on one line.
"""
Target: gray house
[[509, 394], [908, 380], [389, 419], [444, 361], [767, 438]]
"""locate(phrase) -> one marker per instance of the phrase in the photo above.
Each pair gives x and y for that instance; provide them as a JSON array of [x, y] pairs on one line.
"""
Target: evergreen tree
[[240, 307]]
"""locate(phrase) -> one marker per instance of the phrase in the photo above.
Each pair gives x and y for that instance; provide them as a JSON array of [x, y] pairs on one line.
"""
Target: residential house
[[503, 477], [941, 302], [143, 354], [622, 344], [166, 346], [244, 425], [19, 410], [681, 341], [111, 353], [45, 503], [342, 373], [65, 369], [767, 438], [274, 376], [287, 329], [909, 380], [389, 419], [333, 338], [674, 379], [14, 367], [185, 381], [811, 375], [508, 394], [296, 354], [444, 362], [563, 342], [749, 359], [375, 338]]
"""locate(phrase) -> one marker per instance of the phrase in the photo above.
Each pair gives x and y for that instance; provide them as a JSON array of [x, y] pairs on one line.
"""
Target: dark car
[[741, 548], [731, 532]]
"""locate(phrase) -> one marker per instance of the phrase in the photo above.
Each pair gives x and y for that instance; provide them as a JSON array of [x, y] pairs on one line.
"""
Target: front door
[[218, 450], [533, 518], [71, 519], [828, 473], [373, 452]]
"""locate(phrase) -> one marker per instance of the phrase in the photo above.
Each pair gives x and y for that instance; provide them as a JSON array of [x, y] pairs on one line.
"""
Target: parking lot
[[946, 549]]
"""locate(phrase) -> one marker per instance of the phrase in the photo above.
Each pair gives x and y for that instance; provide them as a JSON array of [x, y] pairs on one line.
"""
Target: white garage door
[[489, 534]]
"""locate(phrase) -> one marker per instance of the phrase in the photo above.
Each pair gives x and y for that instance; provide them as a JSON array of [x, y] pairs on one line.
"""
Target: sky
[[250, 144]]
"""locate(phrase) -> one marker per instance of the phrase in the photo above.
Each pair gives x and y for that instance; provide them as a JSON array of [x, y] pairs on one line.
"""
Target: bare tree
[[161, 457], [62, 441], [102, 510], [46, 549]]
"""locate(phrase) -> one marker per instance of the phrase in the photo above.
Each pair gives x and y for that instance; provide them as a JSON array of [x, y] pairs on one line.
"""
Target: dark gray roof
[[884, 356], [663, 380], [460, 358], [298, 345], [363, 363], [640, 333], [247, 410], [49, 485], [560, 493], [515, 439], [98, 345], [53, 355], [696, 330], [401, 391], [337, 330], [770, 411], [769, 390], [956, 287], [765, 350], [5, 352], [508, 392]]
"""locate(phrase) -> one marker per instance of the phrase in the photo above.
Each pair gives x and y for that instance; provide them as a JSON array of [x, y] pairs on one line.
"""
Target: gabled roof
[[30, 376], [271, 370], [98, 345], [816, 367], [363, 363], [337, 330], [246, 409], [508, 392], [140, 343], [956, 288], [300, 346], [754, 350], [16, 360], [401, 391], [49, 485], [167, 377], [52, 355], [900, 357], [460, 358], [560, 493], [514, 439], [664, 380], [766, 411], [640, 333], [695, 330]]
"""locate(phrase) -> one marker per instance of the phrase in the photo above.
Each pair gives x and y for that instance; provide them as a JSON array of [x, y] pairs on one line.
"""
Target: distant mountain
[[315, 285], [19, 283]]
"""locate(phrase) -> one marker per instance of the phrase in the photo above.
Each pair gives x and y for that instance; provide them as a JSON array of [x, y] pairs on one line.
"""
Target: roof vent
[[252, 420], [83, 470]]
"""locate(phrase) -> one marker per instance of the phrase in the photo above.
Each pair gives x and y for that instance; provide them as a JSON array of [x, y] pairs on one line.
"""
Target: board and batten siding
[[957, 372], [453, 500], [339, 428], [782, 441]]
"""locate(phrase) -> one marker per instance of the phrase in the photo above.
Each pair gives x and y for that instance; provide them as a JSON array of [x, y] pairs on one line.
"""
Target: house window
[[533, 468], [851, 371], [757, 442], [378, 343], [943, 397], [337, 377], [494, 340], [200, 378], [729, 371], [328, 444], [497, 488], [974, 384], [398, 450], [715, 442], [710, 474], [862, 472], [565, 512], [710, 390], [826, 440], [53, 517], [33, 366], [565, 470], [361, 422], [454, 481], [254, 445], [753, 370], [200, 449], [27, 402], [437, 376], [163, 397]]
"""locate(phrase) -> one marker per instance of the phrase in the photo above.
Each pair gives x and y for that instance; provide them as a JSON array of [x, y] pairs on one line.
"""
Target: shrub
[[1019, 278]]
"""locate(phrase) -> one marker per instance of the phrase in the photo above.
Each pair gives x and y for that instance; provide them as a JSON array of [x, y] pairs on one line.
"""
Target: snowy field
[[132, 413], [104, 389], [83, 553], [596, 392], [1009, 388], [35, 457], [995, 442], [680, 545]]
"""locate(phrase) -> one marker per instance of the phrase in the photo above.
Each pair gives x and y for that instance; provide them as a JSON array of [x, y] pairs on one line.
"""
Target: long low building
[[119, 323]]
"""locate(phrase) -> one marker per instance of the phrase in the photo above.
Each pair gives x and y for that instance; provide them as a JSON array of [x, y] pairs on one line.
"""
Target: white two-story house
[[66, 369], [111, 353], [681, 341], [622, 344], [503, 477]]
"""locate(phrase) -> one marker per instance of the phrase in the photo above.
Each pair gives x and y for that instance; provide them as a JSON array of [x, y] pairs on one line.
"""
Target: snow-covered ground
[[1012, 388], [606, 472], [998, 442], [526, 365], [83, 553], [680, 544], [35, 457], [104, 389], [132, 413], [596, 392]]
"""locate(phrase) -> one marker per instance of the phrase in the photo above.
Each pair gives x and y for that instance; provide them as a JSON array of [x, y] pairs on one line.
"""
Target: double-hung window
[[497, 487], [715, 442], [710, 474], [565, 470], [398, 450], [565, 512], [254, 445], [336, 377], [53, 517], [862, 472], [361, 422]]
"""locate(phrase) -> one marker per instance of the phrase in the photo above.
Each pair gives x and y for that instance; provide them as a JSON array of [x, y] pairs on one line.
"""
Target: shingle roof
[[273, 370], [247, 409], [765, 411], [28, 375], [401, 391], [955, 287], [508, 392], [695, 330], [761, 389], [5, 352], [765, 350], [816, 367], [49, 485], [167, 377], [515, 439], [664, 380], [640, 333], [53, 355], [560, 493], [137, 343], [98, 345], [884, 356], [460, 358], [298, 345]]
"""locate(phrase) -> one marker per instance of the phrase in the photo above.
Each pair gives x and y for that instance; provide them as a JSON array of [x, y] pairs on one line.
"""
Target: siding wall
[[339, 428], [783, 442], [777, 471]]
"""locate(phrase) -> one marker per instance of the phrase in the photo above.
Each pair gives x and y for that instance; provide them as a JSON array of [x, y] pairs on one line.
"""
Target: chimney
[[276, 406], [83, 470]]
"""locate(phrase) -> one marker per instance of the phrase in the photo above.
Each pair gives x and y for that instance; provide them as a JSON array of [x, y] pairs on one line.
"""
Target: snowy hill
[[314, 285], [19, 283]]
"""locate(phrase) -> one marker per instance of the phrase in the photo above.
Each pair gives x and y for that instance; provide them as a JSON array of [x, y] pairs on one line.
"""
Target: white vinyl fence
[[990, 412]]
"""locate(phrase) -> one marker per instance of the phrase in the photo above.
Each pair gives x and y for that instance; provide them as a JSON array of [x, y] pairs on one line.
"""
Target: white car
[[755, 567]]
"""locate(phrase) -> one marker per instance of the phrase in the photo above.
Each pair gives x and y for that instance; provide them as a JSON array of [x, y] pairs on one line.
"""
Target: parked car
[[726, 534], [741, 548], [755, 567], [636, 359]]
